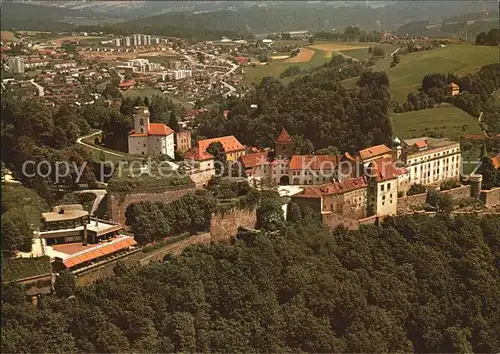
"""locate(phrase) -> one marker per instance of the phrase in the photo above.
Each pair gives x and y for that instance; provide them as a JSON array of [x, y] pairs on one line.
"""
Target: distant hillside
[[469, 25], [288, 16]]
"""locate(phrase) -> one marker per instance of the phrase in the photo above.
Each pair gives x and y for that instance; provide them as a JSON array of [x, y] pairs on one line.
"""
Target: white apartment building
[[150, 138], [16, 65], [177, 74], [431, 160]]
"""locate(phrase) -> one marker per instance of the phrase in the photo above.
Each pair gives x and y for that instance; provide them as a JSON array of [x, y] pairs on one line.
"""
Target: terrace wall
[[118, 202], [405, 204], [224, 225], [490, 198], [458, 193]]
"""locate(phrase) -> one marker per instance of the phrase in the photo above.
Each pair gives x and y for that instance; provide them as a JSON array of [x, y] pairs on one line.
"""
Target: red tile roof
[[421, 144], [159, 129], [385, 169], [95, 252], [254, 160], [154, 129], [453, 85], [332, 188], [284, 137], [195, 154], [374, 151], [127, 83], [230, 143], [313, 162]]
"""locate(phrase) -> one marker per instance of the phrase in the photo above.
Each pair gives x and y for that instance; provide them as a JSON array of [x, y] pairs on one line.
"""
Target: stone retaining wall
[[118, 202], [491, 198], [224, 225], [405, 204]]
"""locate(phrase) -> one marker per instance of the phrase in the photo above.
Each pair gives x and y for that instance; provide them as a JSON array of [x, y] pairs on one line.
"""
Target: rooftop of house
[[127, 83], [100, 227], [254, 159], [428, 144], [347, 185], [197, 155], [374, 151], [230, 143], [385, 169], [76, 253], [154, 129]]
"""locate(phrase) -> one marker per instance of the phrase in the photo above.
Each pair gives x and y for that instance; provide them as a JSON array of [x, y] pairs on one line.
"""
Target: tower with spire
[[283, 145]]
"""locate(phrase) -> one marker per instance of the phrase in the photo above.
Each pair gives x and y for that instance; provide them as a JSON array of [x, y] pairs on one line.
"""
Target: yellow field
[[338, 47], [8, 36], [304, 56]]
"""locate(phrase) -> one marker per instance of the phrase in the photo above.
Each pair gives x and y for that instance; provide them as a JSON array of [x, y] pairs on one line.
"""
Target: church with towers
[[150, 138]]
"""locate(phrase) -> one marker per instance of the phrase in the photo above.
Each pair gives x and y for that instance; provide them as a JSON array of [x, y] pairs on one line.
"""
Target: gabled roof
[[127, 83], [421, 144], [195, 154], [230, 143], [453, 85], [254, 159], [284, 137], [374, 151]]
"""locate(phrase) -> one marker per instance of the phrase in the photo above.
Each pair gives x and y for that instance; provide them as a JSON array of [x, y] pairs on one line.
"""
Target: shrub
[[166, 242], [416, 189], [379, 52]]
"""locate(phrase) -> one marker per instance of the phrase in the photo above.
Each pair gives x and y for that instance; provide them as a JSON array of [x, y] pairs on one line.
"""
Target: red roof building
[[127, 84]]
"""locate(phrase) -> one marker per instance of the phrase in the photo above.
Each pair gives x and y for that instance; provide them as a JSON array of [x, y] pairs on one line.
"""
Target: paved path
[[40, 88], [80, 142]]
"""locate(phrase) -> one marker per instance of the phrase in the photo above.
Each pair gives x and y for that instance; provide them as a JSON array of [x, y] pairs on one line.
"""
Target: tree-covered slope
[[415, 284]]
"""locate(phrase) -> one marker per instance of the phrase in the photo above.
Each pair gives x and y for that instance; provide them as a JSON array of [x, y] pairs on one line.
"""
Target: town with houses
[[345, 189], [153, 185]]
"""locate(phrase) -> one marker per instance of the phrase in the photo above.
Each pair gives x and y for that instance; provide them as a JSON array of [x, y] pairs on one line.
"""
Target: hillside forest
[[415, 284]]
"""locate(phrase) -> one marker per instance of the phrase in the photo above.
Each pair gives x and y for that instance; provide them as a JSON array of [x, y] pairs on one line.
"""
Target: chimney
[[85, 237]]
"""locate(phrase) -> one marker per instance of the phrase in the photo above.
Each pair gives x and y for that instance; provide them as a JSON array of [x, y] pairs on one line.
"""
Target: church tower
[[283, 145], [141, 120]]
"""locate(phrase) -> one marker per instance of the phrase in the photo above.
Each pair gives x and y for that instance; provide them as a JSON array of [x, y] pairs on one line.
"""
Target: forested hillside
[[314, 108], [415, 284]]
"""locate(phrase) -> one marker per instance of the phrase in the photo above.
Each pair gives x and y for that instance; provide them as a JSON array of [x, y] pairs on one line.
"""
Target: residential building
[[453, 89], [254, 164], [64, 64], [204, 160], [127, 84], [127, 41], [431, 160], [183, 140], [72, 239], [347, 198], [150, 138], [35, 63], [233, 148], [16, 65], [383, 180]]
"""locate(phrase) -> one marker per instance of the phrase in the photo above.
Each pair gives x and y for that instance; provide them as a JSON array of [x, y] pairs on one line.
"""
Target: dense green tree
[[220, 161], [65, 284]]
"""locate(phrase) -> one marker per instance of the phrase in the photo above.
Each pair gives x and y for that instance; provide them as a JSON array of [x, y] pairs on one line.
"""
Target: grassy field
[[323, 52], [459, 59], [276, 67], [448, 120]]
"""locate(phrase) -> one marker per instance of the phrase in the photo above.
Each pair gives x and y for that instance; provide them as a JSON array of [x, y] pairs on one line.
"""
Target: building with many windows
[[431, 160]]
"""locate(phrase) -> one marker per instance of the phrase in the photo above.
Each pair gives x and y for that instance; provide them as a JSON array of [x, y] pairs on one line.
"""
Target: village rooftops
[[385, 169], [254, 160], [65, 213]]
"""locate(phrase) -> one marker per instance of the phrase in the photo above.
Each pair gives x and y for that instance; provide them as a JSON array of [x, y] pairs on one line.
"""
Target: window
[[141, 122], [382, 187], [388, 186], [144, 145], [383, 197], [142, 130]]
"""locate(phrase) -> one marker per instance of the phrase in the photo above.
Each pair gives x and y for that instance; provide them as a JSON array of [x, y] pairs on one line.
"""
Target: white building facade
[[150, 138]]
